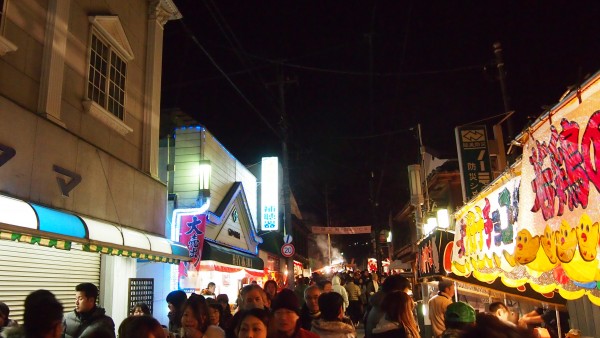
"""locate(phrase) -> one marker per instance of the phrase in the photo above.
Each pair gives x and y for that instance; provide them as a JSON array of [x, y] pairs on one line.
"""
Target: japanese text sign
[[474, 159]]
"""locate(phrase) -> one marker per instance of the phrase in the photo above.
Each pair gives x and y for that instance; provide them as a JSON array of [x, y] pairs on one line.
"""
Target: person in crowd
[[5, 321], [374, 314], [331, 324], [143, 326], [372, 286], [501, 311], [310, 309], [336, 286], [87, 318], [254, 323], [141, 309], [226, 315], [488, 325], [398, 319], [195, 321], [214, 312], [252, 296], [326, 286], [285, 324], [42, 318], [458, 317], [355, 305], [548, 318], [210, 290], [175, 300], [270, 288], [299, 289], [438, 304]]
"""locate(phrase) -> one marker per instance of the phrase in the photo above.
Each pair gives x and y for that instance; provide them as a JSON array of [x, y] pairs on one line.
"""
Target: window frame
[[5, 45]]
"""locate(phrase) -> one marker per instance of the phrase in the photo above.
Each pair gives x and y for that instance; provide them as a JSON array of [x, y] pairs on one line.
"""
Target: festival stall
[[538, 224]]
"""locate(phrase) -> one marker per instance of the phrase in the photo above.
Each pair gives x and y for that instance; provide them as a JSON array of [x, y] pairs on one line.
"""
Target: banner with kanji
[[365, 229], [192, 227]]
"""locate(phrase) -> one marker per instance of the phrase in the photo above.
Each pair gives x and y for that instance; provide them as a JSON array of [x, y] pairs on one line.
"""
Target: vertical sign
[[192, 226], [473, 159], [141, 290], [269, 194]]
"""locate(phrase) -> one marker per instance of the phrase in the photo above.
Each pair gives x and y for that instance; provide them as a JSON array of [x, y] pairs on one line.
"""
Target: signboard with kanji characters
[[191, 225], [474, 159]]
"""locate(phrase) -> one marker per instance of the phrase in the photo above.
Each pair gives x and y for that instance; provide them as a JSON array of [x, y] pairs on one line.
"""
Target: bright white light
[[443, 219], [204, 170], [424, 310], [269, 193], [430, 225], [286, 272], [389, 237]]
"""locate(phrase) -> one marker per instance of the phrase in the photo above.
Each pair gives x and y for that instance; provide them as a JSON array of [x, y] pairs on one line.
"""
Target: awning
[[229, 258], [33, 223]]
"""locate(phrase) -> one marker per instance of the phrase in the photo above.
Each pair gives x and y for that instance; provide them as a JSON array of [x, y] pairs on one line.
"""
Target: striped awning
[[36, 224]]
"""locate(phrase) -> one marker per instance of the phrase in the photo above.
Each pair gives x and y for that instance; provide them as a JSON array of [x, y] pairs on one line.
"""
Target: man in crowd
[[87, 318], [458, 317], [42, 318], [285, 324], [310, 309], [438, 305], [500, 310], [210, 290]]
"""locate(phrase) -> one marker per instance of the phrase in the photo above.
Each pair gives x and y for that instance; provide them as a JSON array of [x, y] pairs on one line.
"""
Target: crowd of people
[[317, 307]]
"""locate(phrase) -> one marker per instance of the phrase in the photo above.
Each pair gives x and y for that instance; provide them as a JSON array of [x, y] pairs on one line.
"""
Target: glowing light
[[424, 310], [443, 218], [269, 192]]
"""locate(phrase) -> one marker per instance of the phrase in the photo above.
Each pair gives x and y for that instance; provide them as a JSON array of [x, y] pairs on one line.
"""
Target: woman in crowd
[[141, 326], [141, 309], [331, 323], [214, 312], [254, 323], [226, 315], [398, 321], [270, 288], [175, 301], [195, 321]]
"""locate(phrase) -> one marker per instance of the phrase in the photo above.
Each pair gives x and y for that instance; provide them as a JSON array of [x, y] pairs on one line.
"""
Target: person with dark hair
[[214, 312], [374, 314], [87, 318], [438, 304], [310, 309], [326, 286], [270, 288], [354, 310], [5, 321], [42, 318], [141, 327], [547, 317], [195, 320], [226, 315], [210, 289], [487, 325], [458, 317], [285, 307], [141, 309], [175, 300], [331, 324], [398, 320], [252, 296], [254, 323], [501, 311]]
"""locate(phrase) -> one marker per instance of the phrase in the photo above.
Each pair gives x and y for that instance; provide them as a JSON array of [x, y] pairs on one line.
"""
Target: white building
[[79, 120]]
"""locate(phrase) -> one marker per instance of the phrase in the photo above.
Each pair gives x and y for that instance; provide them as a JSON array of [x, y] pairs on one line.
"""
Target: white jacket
[[337, 287]]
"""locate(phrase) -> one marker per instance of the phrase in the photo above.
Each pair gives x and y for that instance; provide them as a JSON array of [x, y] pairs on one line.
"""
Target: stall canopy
[[538, 223], [216, 257], [36, 224]]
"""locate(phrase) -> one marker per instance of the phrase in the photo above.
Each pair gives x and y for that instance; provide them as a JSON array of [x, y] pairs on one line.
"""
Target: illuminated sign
[[473, 159], [269, 194]]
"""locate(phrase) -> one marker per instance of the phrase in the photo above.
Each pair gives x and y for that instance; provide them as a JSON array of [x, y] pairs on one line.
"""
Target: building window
[[106, 78], [5, 45]]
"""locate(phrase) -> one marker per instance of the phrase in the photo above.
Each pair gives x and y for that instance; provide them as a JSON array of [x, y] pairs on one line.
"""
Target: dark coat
[[82, 325], [306, 317]]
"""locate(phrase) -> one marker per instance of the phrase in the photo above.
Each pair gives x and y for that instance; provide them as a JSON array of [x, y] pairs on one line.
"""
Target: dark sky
[[432, 63]]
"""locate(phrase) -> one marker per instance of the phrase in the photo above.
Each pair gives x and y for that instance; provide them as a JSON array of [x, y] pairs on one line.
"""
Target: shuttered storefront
[[25, 268]]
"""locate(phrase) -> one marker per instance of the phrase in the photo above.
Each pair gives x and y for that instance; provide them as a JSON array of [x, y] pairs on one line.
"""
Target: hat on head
[[460, 312], [285, 299]]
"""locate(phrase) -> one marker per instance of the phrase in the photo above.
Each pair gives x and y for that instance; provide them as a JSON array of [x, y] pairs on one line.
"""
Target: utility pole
[[287, 215], [503, 87], [328, 223]]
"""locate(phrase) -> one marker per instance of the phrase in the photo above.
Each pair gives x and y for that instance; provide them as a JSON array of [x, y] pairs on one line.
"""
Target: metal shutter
[[25, 268]]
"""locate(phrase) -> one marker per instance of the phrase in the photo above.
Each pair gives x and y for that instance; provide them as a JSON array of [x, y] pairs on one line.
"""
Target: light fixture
[[443, 218], [414, 180], [204, 172], [430, 225]]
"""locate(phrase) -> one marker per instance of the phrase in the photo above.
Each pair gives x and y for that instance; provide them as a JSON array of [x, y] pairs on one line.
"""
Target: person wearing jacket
[[355, 307], [42, 318], [310, 309], [375, 313], [4, 320], [398, 321], [331, 323], [87, 318], [286, 323], [336, 286], [175, 300]]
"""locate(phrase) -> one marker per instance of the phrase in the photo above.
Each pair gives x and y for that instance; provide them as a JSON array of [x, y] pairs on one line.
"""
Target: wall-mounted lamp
[[416, 188], [204, 173], [443, 218]]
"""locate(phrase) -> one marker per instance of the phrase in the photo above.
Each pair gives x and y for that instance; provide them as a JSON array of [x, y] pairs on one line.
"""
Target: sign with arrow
[[66, 187]]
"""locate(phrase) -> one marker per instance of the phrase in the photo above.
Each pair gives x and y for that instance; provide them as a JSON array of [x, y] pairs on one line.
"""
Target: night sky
[[359, 77]]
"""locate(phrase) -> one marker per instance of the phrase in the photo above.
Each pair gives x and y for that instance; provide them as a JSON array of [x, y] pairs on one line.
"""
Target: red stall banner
[[192, 227]]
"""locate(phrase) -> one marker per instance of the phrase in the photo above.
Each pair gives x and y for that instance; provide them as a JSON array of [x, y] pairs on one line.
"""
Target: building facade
[[79, 120]]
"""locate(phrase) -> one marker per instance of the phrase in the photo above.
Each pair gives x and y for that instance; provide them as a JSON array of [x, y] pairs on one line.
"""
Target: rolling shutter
[[25, 268]]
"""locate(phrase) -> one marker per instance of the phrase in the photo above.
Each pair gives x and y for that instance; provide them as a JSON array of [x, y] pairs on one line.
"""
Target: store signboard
[[269, 194], [365, 229], [191, 224], [473, 159]]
